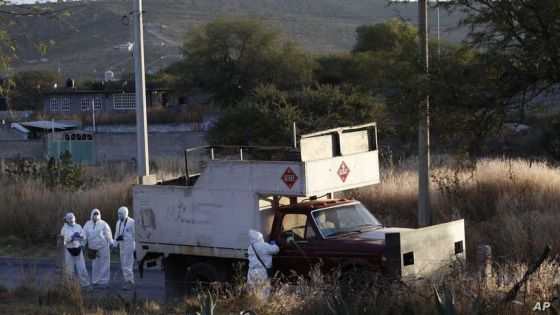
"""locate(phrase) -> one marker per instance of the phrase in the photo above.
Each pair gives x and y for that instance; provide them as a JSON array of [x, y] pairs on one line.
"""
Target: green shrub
[[64, 173], [267, 116]]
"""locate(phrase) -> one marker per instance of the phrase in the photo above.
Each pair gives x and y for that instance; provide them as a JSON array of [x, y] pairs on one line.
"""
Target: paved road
[[13, 271]]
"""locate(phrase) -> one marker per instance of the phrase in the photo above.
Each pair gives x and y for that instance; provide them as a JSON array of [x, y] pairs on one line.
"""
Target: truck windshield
[[346, 219]]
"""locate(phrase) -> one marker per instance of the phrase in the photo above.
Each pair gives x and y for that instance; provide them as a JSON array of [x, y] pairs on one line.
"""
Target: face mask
[[71, 223], [95, 217], [121, 217]]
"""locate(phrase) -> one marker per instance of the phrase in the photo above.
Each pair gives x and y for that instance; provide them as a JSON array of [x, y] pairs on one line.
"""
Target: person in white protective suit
[[99, 239], [260, 258], [124, 236], [73, 241]]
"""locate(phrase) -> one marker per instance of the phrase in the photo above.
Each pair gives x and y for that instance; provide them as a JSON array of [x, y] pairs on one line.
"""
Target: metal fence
[[80, 145]]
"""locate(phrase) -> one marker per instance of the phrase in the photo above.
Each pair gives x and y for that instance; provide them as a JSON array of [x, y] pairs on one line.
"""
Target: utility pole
[[424, 208], [93, 113], [141, 121], [438, 36]]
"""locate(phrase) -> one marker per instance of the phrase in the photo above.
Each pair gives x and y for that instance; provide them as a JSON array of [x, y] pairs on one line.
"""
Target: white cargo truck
[[198, 224]]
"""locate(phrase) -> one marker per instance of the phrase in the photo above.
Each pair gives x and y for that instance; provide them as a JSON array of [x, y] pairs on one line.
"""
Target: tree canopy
[[266, 116], [391, 36], [525, 33], [230, 57], [28, 86], [6, 49]]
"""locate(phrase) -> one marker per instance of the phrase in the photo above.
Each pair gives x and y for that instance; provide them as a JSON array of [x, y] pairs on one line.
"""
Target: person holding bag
[[73, 256], [99, 239]]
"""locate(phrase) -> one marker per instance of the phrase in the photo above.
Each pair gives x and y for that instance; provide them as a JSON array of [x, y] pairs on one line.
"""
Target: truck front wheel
[[174, 268], [201, 275]]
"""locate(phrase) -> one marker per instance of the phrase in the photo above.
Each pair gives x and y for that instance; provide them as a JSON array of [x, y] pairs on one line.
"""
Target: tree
[[393, 36], [8, 48], [266, 116], [523, 33], [385, 53], [517, 59], [231, 57], [27, 88], [468, 93]]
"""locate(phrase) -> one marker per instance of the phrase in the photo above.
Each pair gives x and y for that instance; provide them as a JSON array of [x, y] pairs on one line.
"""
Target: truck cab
[[335, 234]]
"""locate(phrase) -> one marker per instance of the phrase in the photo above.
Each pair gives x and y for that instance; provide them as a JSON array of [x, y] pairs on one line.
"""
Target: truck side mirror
[[290, 240], [288, 236]]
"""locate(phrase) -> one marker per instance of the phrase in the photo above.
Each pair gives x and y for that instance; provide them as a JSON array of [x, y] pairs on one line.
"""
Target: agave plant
[[337, 305], [446, 306], [207, 303]]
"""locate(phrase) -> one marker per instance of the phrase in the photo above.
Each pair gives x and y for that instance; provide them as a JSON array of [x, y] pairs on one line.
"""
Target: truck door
[[299, 257]]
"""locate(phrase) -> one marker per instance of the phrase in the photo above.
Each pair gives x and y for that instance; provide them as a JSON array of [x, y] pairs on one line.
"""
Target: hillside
[[84, 43]]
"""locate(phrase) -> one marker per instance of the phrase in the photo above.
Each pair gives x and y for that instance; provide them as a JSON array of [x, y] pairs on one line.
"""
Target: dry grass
[[316, 294], [508, 204], [33, 213]]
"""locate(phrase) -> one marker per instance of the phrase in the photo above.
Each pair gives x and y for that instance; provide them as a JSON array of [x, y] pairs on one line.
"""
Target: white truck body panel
[[311, 178], [252, 176], [323, 176], [184, 216]]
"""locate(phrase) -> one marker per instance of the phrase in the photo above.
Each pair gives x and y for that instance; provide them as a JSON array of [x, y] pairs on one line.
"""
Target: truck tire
[[200, 275], [174, 270]]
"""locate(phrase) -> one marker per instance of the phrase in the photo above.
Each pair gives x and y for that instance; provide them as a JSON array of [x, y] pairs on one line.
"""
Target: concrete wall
[[7, 133], [122, 146], [117, 146], [35, 149]]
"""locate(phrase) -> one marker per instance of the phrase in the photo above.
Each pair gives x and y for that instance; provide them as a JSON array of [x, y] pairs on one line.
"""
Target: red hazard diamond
[[343, 171], [289, 177]]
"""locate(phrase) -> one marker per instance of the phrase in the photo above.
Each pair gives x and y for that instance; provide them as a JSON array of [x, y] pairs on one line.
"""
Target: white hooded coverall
[[127, 246], [99, 237], [74, 262], [257, 276]]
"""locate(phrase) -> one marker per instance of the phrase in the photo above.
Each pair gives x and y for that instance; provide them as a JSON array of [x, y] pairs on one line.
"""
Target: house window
[[53, 104], [98, 103], [124, 101], [65, 104], [85, 104]]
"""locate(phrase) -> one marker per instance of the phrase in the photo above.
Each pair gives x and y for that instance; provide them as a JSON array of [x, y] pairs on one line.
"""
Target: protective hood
[[94, 211], [69, 217], [255, 236], [123, 211]]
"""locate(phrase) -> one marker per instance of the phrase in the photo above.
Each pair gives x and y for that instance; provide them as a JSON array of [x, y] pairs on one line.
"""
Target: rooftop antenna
[[295, 135]]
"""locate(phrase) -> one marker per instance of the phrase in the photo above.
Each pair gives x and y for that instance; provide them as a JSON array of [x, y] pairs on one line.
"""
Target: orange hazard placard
[[343, 171], [289, 177]]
